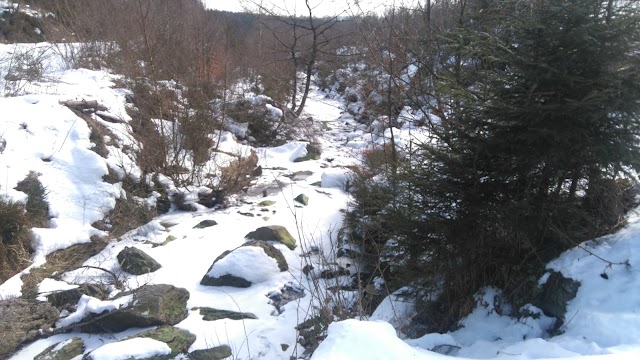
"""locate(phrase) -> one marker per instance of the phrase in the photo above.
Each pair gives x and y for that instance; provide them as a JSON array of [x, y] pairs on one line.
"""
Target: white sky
[[324, 7]]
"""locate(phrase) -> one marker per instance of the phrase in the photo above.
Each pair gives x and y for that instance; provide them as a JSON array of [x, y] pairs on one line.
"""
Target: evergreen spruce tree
[[542, 125]]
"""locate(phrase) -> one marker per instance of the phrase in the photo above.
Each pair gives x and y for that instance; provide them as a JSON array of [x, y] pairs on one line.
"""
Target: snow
[[137, 348], [43, 136], [48, 286], [90, 305]]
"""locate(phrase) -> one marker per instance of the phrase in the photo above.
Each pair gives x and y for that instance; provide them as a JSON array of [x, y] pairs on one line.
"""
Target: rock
[[273, 233], [210, 314], [137, 262], [556, 292], [179, 340], [65, 350], [302, 199], [225, 280], [215, 353], [210, 199], [205, 224], [132, 348], [22, 321], [300, 175], [248, 214], [68, 299], [313, 153], [151, 305], [287, 294], [225, 272], [266, 203]]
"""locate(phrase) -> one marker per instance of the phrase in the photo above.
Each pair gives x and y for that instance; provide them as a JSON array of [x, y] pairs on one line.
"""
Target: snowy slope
[[604, 318]]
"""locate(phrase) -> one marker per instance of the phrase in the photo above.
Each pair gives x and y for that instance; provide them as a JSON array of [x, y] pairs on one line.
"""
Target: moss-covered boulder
[[253, 262], [150, 305], [65, 350], [302, 199], [22, 320], [136, 262], [179, 340], [205, 224], [273, 233], [210, 314], [215, 353]]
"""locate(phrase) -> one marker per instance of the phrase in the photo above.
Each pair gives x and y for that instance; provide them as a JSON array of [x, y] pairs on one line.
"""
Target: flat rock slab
[[205, 224], [215, 353], [210, 314]]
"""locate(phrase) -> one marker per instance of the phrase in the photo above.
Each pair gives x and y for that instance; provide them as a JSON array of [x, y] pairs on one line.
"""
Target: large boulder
[[65, 350], [179, 340], [273, 233], [137, 262], [150, 305], [253, 262], [21, 321]]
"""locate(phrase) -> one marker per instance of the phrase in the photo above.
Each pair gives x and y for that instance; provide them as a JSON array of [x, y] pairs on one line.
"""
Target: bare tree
[[302, 38]]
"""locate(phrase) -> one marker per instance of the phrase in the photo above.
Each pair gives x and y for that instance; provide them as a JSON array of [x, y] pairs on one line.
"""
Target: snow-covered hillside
[[44, 136]]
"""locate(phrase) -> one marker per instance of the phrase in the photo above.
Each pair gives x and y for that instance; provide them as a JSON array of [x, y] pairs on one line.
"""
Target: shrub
[[238, 175], [15, 241], [37, 207]]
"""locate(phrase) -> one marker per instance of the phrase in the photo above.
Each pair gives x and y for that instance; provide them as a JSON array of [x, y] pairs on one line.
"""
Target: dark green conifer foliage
[[541, 130]]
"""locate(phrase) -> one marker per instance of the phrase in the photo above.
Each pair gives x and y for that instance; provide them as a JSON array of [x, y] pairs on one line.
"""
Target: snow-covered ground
[[45, 137]]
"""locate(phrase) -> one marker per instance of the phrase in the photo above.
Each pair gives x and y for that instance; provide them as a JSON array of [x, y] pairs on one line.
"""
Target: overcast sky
[[323, 7]]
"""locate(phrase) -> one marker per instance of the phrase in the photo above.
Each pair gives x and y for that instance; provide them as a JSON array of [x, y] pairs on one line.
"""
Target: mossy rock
[[136, 262], [65, 350], [151, 305], [313, 153], [205, 224], [266, 203], [302, 199], [179, 340], [273, 233], [215, 353], [210, 314]]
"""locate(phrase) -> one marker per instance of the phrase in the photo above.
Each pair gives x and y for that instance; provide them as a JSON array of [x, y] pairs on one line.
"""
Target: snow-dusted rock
[[150, 305], [253, 262]]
